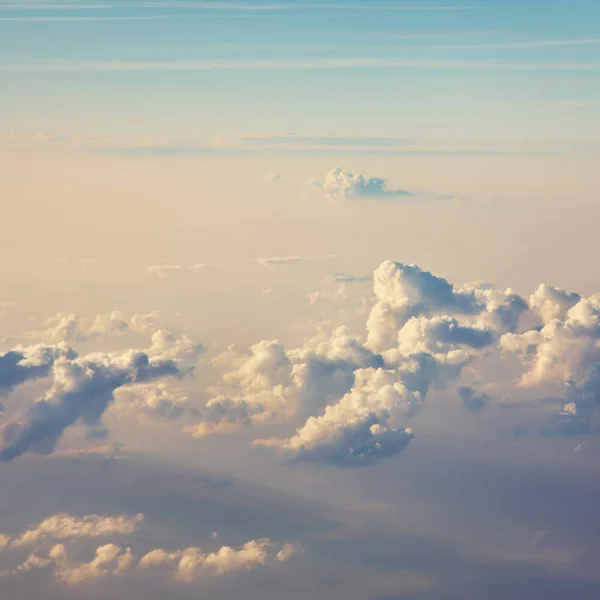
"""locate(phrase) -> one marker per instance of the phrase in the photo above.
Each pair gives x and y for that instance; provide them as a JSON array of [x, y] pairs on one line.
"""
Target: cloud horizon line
[[297, 64]]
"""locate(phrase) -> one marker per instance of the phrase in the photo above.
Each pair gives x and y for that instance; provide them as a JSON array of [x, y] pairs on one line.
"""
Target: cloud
[[192, 563], [286, 260], [245, 7], [272, 178], [29, 362], [355, 430], [113, 560], [153, 401], [64, 526], [352, 396], [61, 19], [318, 63], [552, 303], [83, 388], [366, 423], [424, 331], [340, 184], [348, 278], [69, 327], [273, 384], [406, 291], [162, 271], [472, 399], [109, 559], [295, 143]]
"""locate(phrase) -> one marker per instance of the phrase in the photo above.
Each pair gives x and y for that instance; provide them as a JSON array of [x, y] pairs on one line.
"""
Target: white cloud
[[69, 327], [64, 526], [192, 563], [163, 270], [110, 559], [272, 178], [341, 184], [318, 63], [285, 260], [83, 388]]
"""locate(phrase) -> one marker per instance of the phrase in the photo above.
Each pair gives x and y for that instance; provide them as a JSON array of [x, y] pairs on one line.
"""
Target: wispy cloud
[[300, 64], [286, 260], [40, 6], [163, 270], [61, 19], [233, 6], [299, 143], [510, 45]]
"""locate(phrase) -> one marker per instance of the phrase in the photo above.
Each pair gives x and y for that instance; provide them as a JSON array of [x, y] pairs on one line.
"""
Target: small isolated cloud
[[272, 178], [286, 260], [267, 292], [162, 271], [341, 184]]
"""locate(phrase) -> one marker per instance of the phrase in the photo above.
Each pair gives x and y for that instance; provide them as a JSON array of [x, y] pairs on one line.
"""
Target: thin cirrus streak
[[248, 7], [511, 45], [299, 64], [62, 19]]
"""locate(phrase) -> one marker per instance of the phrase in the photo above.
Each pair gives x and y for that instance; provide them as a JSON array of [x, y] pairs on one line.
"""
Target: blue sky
[[502, 70]]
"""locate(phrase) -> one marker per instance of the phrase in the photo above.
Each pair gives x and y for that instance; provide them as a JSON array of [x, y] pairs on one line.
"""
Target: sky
[[299, 299]]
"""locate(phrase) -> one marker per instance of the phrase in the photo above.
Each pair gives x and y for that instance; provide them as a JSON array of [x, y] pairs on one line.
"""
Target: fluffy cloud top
[[83, 388], [354, 395], [69, 327], [64, 526], [341, 184], [30, 362], [356, 428], [191, 563], [110, 559]]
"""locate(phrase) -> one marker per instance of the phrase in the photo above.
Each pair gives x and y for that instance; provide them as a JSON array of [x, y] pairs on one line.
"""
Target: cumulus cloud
[[113, 560], [69, 327], [30, 362], [64, 526], [108, 559], [273, 383], [353, 395], [552, 303], [405, 291], [341, 184], [83, 388], [192, 563], [424, 331], [153, 401], [356, 429], [563, 349]]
